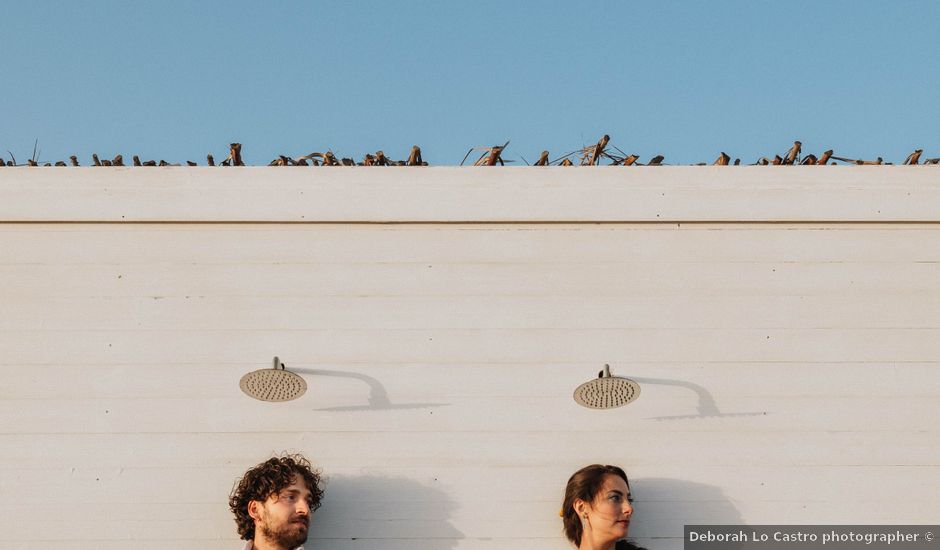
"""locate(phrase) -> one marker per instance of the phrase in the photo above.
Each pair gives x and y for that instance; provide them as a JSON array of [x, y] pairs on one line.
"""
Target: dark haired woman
[[597, 509]]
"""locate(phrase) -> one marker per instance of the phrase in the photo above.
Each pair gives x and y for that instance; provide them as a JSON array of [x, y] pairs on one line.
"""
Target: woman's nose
[[627, 508]]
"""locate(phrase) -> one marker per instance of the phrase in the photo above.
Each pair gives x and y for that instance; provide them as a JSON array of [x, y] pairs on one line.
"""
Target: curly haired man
[[273, 501]]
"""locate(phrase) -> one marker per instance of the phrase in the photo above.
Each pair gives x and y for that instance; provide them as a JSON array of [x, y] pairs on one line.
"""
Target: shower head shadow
[[378, 399], [275, 384], [606, 391], [706, 407]]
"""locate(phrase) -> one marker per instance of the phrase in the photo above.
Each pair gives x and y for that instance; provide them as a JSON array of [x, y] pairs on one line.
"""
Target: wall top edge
[[874, 194]]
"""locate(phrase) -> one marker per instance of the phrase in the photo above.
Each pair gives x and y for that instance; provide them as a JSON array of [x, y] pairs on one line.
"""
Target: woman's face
[[608, 517]]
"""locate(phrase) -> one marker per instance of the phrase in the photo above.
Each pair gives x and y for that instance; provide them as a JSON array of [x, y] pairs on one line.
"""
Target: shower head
[[606, 391], [275, 384]]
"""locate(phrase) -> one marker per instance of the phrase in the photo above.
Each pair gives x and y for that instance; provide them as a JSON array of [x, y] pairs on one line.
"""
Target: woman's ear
[[580, 507]]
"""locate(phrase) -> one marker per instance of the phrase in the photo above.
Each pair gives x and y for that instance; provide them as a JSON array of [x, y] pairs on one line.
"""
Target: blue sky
[[175, 80]]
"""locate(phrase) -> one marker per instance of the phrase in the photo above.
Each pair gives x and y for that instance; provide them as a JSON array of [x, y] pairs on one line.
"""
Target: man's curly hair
[[270, 478]]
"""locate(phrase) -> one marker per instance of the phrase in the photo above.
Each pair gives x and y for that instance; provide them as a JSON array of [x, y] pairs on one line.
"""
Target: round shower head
[[606, 391], [276, 384]]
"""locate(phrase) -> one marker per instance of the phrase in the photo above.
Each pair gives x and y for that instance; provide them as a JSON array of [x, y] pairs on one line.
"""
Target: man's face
[[284, 518]]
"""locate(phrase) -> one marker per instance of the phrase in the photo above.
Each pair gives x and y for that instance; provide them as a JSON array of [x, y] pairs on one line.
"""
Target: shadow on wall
[[383, 513], [377, 397], [665, 506], [706, 407]]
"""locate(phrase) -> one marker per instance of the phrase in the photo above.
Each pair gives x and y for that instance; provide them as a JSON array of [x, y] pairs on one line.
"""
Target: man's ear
[[254, 509]]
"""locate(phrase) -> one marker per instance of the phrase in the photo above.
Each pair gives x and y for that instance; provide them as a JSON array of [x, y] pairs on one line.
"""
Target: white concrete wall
[[783, 323]]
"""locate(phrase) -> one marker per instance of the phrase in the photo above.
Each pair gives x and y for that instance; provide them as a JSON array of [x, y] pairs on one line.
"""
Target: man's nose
[[303, 508]]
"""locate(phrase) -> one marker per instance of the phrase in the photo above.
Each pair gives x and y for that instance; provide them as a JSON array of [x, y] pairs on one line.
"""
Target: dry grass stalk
[[630, 160], [491, 156], [794, 153], [592, 155], [236, 149], [722, 160], [381, 159], [282, 160], [543, 159], [860, 162], [414, 159], [914, 157], [495, 156], [302, 161], [234, 155]]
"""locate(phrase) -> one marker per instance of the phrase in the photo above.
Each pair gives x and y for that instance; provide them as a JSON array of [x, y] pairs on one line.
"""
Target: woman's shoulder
[[627, 545]]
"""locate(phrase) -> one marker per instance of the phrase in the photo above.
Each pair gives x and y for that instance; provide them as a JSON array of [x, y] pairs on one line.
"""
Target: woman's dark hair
[[585, 484], [270, 478]]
